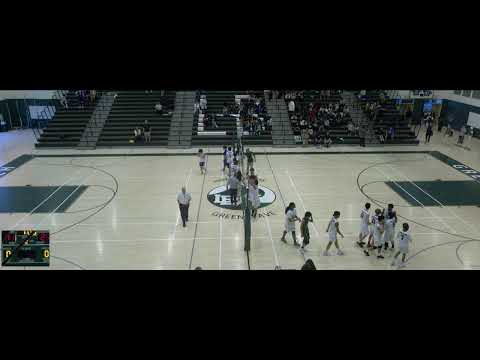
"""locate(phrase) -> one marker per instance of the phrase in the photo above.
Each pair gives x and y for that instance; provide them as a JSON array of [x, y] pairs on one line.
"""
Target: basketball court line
[[443, 206], [424, 207], [274, 248], [46, 199], [405, 191], [301, 201]]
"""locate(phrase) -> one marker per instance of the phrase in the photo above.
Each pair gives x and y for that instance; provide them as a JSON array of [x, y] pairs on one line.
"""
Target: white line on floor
[[301, 201], [48, 197], [446, 207], [413, 197], [426, 208], [274, 248]]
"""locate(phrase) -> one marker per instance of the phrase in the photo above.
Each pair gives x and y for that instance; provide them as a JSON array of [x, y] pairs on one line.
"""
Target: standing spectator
[[225, 109], [183, 200], [429, 133], [93, 96], [291, 107], [391, 133], [304, 131], [147, 131], [159, 108]]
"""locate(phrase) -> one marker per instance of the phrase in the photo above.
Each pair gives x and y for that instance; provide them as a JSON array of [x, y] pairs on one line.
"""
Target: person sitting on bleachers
[[351, 129], [159, 108], [137, 134], [327, 140], [391, 133], [225, 109]]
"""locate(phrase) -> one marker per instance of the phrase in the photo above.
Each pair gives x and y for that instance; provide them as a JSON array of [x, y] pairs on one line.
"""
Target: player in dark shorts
[[250, 159], [202, 160], [225, 164]]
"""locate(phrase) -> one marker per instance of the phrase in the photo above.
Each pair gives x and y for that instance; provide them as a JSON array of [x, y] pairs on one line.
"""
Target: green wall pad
[[23, 199], [448, 193]]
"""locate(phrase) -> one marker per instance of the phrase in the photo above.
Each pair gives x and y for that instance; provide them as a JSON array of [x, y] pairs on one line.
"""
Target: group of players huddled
[[231, 168], [379, 228], [381, 232]]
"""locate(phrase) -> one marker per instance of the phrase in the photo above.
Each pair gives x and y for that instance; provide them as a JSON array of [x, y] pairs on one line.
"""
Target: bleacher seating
[[67, 125], [388, 116], [131, 109], [227, 125], [338, 132]]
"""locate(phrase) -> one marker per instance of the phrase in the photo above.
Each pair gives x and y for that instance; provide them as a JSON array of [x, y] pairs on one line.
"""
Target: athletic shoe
[[340, 252], [380, 257], [393, 263], [360, 244], [325, 253], [296, 244], [283, 240], [366, 252]]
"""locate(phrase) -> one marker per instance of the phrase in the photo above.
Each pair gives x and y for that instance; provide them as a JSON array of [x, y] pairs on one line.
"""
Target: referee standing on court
[[183, 200]]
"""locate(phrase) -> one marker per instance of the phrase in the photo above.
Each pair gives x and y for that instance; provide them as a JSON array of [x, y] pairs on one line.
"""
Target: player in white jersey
[[254, 198], [389, 233], [371, 244], [202, 160], [377, 231], [290, 218], [229, 158], [332, 229], [234, 167], [403, 239], [390, 213], [364, 223]]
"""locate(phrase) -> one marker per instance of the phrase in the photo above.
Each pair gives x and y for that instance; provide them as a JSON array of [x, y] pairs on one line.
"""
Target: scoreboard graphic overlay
[[26, 248]]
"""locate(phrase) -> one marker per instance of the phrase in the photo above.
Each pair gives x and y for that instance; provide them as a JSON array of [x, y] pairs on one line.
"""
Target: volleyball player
[[403, 238], [371, 244], [250, 159], [305, 233], [290, 218], [378, 230], [364, 223], [225, 165], [202, 159], [389, 233], [390, 214], [254, 198], [229, 157], [332, 229]]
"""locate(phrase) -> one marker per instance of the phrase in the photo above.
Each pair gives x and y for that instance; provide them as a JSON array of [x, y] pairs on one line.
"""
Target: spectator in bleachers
[[93, 96], [159, 108], [391, 133], [291, 107], [225, 109], [137, 134], [327, 139], [147, 131], [63, 101]]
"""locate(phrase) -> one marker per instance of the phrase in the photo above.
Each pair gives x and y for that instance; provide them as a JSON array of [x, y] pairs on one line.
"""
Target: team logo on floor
[[221, 197]]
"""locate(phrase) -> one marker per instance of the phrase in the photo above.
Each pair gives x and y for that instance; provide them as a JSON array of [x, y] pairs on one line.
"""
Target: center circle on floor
[[221, 197]]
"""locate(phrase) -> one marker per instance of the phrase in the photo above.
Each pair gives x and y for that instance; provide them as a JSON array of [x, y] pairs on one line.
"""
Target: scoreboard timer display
[[26, 248]]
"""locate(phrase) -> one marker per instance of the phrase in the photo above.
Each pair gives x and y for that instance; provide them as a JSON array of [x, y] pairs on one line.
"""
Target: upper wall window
[[466, 93], [457, 92]]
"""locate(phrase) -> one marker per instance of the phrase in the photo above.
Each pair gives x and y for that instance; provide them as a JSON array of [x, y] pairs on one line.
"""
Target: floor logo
[[220, 197]]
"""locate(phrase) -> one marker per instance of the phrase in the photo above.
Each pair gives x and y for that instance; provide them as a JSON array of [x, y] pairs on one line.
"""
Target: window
[[457, 92], [476, 94], [466, 93]]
